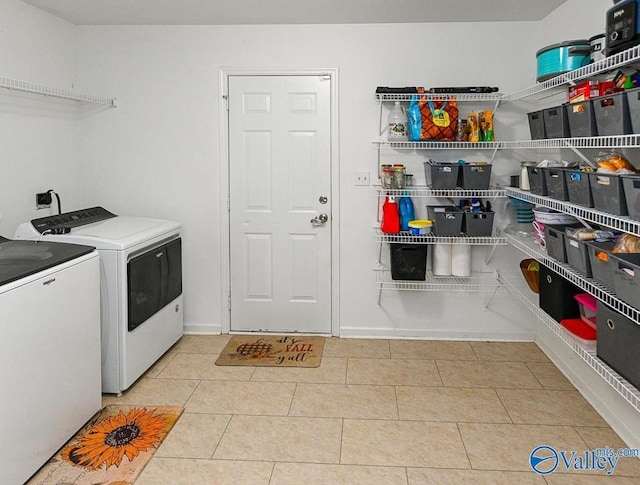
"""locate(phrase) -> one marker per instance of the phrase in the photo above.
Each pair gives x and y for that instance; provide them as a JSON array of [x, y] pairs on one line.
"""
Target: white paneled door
[[280, 203]]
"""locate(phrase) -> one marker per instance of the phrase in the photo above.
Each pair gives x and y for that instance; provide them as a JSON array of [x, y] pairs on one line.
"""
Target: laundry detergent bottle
[[407, 212], [390, 216]]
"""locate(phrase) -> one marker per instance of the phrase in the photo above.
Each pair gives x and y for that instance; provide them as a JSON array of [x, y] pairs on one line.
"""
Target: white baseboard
[[377, 333], [202, 329]]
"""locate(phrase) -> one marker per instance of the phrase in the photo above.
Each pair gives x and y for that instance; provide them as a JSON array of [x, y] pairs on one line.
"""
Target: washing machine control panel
[[63, 223]]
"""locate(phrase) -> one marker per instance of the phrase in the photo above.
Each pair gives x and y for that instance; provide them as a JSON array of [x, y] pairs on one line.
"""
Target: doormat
[[272, 351], [112, 448]]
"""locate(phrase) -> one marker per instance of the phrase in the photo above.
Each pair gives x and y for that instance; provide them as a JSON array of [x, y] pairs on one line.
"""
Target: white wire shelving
[[405, 237], [44, 90], [590, 285], [476, 282], [460, 97], [424, 191], [618, 383], [621, 223]]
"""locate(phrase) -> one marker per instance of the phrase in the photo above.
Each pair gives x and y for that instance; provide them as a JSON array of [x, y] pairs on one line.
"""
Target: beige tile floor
[[374, 412]]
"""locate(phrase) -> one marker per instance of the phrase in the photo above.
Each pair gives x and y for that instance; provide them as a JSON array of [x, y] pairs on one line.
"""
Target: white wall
[[157, 154], [39, 137]]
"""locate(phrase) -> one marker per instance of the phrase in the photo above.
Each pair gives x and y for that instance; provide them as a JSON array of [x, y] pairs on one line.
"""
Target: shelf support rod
[[579, 153]]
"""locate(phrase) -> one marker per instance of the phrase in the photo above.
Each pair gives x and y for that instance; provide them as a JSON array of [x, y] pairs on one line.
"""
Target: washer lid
[[119, 233]]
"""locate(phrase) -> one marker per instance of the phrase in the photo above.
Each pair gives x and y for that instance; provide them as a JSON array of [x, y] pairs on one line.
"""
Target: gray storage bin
[[612, 114], [556, 124], [442, 175], [556, 183], [447, 220], [608, 194], [600, 261], [577, 256], [631, 188], [633, 100], [475, 177], [536, 125], [537, 183], [578, 187], [618, 342], [582, 119], [554, 239], [626, 277], [478, 224]]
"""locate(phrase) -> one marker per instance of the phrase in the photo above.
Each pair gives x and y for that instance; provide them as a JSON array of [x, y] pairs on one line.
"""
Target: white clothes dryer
[[140, 285]]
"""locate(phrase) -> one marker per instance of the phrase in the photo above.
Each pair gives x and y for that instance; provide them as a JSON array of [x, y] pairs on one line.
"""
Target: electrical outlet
[[361, 178], [43, 200]]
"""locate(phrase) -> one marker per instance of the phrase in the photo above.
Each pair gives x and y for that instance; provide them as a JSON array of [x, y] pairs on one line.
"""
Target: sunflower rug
[[111, 449], [272, 351]]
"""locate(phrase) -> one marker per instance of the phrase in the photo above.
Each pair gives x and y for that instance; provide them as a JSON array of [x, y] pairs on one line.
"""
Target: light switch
[[361, 178]]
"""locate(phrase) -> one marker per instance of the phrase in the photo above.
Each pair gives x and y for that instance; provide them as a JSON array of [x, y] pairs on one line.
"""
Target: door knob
[[320, 219]]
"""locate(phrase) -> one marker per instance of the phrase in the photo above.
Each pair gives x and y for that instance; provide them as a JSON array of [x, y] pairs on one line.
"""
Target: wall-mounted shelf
[[460, 97], [622, 387], [477, 282], [621, 223], [600, 291], [33, 88], [570, 78], [406, 238], [424, 191], [437, 145]]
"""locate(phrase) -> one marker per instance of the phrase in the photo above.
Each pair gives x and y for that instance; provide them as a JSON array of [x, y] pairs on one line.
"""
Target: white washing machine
[[140, 285]]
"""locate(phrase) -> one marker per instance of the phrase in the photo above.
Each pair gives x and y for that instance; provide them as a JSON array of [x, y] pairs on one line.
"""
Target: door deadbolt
[[323, 199]]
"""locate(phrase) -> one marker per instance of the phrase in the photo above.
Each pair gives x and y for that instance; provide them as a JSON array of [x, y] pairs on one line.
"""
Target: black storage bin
[[408, 261], [608, 194], [577, 256], [626, 277], [633, 100], [578, 187], [618, 342], [612, 114], [475, 177], [537, 183], [478, 224], [556, 124], [556, 183], [447, 220], [601, 262], [631, 188], [557, 295], [536, 125], [582, 119], [442, 175], [554, 239]]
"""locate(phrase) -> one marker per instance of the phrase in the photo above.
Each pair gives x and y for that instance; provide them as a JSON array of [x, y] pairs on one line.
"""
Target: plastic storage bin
[[408, 261], [633, 100], [536, 125], [631, 188], [475, 177], [600, 261], [612, 114], [618, 341], [626, 277], [442, 175], [556, 295], [577, 255], [608, 194], [578, 187], [447, 220], [588, 308], [556, 183], [478, 224], [581, 118], [556, 124], [537, 183], [554, 237]]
